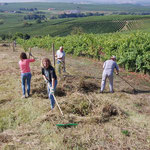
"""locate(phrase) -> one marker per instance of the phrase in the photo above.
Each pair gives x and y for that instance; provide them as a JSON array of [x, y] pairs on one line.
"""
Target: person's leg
[[64, 67], [58, 66], [111, 83], [23, 79], [48, 90], [103, 83], [28, 83], [55, 85], [51, 97]]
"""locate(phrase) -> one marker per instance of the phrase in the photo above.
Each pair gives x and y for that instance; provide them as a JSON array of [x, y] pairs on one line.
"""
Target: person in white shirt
[[60, 56], [109, 67]]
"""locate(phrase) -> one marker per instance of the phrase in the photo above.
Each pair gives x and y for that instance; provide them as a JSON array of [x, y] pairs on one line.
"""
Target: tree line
[[76, 15]]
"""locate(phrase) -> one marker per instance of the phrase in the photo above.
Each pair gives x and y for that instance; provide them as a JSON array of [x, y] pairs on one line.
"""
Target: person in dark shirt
[[49, 75]]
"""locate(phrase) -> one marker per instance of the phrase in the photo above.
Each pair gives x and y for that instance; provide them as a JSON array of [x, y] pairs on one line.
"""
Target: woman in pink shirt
[[25, 72]]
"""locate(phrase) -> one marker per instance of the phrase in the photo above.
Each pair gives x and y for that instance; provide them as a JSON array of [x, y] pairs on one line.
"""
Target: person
[[25, 73], [49, 75], [60, 57], [15, 43], [109, 67]]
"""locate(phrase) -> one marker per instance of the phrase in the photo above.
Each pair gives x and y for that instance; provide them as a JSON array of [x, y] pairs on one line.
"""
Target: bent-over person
[[49, 75], [108, 71]]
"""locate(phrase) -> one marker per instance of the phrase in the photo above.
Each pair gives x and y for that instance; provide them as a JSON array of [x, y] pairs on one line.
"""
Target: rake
[[56, 101], [62, 125], [134, 90], [58, 105]]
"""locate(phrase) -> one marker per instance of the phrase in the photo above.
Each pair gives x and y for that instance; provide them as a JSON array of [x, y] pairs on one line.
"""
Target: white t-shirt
[[61, 55]]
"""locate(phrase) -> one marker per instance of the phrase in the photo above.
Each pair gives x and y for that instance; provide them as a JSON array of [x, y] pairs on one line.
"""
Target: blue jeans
[[50, 96], [26, 77]]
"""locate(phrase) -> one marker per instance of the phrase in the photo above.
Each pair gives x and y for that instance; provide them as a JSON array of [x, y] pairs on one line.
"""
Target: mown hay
[[85, 86], [78, 106], [4, 138], [109, 110]]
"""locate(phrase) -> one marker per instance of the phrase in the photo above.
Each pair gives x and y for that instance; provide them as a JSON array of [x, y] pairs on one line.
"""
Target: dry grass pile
[[71, 84], [4, 138], [5, 45], [39, 87]]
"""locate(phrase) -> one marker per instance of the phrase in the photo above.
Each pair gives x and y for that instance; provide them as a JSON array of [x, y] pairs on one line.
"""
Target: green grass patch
[[125, 132]]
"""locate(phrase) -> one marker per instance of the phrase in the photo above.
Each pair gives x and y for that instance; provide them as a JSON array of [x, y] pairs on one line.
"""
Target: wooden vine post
[[29, 52], [53, 49], [13, 46]]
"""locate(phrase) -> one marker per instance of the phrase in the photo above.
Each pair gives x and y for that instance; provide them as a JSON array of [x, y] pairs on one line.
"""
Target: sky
[[100, 1]]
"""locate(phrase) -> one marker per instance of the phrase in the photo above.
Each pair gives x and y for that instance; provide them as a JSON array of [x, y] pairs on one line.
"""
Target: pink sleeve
[[31, 60]]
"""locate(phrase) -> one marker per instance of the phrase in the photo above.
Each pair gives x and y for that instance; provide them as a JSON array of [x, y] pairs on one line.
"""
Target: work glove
[[52, 91]]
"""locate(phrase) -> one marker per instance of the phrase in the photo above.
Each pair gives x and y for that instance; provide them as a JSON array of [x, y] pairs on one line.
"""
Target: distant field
[[82, 7], [10, 23], [13, 23]]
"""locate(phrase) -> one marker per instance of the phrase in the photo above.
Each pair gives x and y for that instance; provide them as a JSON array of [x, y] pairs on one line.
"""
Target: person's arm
[[59, 57], [52, 88], [117, 69], [45, 79], [64, 59], [104, 64], [32, 56], [53, 83], [53, 75]]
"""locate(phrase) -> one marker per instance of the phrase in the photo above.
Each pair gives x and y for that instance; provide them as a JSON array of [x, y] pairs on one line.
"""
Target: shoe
[[28, 95], [111, 91], [23, 97], [101, 92]]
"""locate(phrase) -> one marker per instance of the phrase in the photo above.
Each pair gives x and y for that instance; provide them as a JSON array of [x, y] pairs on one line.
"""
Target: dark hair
[[46, 60], [23, 55]]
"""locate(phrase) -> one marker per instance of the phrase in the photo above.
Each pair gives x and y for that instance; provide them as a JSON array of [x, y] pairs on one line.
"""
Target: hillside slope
[[119, 121], [13, 23]]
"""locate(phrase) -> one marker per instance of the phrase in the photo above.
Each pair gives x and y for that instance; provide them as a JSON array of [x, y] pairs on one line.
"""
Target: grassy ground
[[119, 121]]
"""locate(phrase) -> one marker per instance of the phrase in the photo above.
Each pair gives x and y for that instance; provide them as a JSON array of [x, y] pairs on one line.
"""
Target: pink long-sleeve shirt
[[24, 65]]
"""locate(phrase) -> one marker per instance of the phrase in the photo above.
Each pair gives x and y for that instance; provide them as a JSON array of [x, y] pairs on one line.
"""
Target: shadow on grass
[[85, 77], [136, 91], [3, 101], [60, 92]]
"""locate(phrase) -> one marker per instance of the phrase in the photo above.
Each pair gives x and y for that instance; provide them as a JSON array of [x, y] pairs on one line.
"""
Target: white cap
[[113, 57], [61, 47]]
